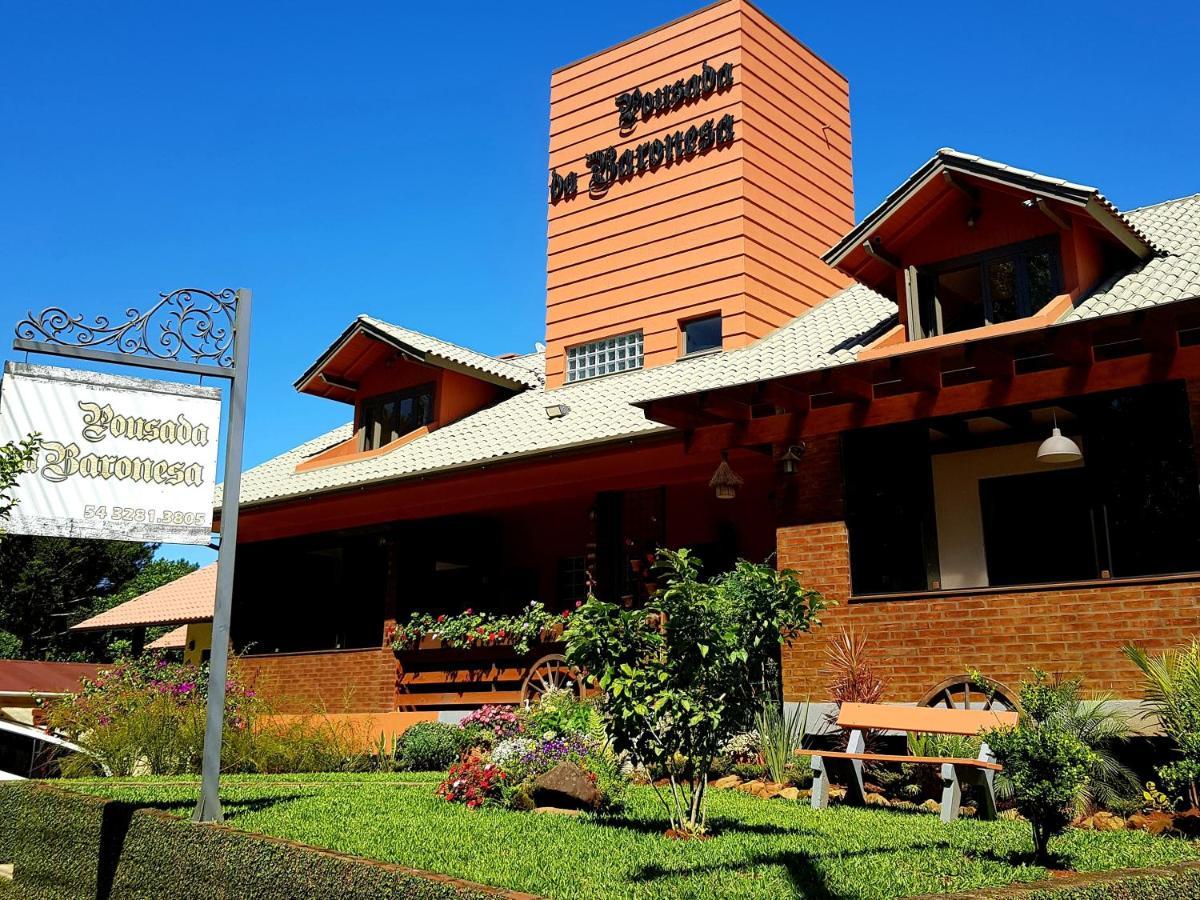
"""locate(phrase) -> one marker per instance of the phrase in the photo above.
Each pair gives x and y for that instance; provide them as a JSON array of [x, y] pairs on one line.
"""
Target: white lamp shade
[[1057, 449]]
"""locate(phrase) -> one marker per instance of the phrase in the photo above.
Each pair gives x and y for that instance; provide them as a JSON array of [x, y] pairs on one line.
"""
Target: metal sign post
[[198, 333]]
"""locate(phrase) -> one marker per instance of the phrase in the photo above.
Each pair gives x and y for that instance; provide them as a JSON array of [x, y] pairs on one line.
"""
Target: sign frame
[[195, 332]]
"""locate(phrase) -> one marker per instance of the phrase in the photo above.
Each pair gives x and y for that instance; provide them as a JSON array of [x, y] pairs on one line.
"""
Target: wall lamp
[[789, 460], [556, 410]]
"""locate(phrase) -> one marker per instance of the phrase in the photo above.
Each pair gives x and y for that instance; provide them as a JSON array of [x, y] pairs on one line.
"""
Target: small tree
[[682, 673], [15, 459], [1044, 758]]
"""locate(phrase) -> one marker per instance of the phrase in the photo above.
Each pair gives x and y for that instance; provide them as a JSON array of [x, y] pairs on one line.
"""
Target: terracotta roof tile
[[186, 599]]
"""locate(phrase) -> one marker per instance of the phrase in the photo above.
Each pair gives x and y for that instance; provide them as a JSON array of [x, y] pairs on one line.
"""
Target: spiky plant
[[1171, 683], [849, 660]]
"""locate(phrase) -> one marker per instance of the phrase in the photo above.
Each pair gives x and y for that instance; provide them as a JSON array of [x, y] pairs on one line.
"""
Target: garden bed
[[760, 848]]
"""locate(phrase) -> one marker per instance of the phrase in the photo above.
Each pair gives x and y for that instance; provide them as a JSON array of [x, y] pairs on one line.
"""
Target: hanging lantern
[[789, 460], [725, 482]]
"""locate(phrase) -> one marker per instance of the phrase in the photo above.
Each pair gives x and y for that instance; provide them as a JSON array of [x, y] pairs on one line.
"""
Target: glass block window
[[614, 354]]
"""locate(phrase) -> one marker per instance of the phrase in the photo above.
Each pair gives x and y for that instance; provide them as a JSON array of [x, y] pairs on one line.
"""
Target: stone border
[[1075, 880]]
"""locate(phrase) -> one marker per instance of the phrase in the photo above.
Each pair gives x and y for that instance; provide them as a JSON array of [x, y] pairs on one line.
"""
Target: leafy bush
[[10, 645], [743, 747], [1172, 688], [1046, 762], [682, 674], [147, 715], [429, 746], [560, 713]]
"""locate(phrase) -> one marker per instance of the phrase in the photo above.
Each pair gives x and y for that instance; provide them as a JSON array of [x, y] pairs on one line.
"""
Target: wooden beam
[[873, 247], [668, 413], [849, 385], [922, 372], [1159, 333], [966, 190], [1073, 346], [334, 381], [726, 409], [785, 398], [993, 361], [1040, 204], [1032, 387]]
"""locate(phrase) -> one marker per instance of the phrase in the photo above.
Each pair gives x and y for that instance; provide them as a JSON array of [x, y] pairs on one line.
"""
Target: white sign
[[124, 459]]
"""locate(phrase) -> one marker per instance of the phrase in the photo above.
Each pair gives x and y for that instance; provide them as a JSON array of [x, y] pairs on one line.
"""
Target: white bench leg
[[951, 793], [856, 793], [987, 792], [820, 785]]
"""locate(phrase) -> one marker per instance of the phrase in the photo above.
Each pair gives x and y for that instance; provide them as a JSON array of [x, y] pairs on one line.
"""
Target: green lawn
[[762, 849]]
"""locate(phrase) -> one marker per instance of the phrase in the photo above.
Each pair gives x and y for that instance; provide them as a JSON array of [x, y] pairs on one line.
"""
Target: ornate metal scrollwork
[[189, 324]]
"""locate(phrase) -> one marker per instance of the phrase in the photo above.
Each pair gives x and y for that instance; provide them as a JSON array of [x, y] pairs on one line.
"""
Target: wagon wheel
[[960, 692], [551, 672]]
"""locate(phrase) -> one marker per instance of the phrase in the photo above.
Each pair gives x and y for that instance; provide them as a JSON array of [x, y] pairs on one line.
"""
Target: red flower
[[566, 613], [442, 618]]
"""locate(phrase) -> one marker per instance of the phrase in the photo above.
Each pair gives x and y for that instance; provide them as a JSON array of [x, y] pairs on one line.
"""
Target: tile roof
[[1174, 275], [603, 409], [187, 599], [599, 410], [968, 163], [176, 639], [508, 369], [23, 676]]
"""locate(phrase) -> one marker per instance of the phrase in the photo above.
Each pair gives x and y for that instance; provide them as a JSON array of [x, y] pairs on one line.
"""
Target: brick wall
[[337, 681], [922, 640]]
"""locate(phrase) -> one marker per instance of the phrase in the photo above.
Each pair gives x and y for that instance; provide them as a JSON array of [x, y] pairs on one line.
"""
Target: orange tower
[[697, 170]]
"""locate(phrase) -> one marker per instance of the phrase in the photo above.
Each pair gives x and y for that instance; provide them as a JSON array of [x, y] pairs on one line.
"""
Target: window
[[604, 357], [392, 416], [976, 509], [702, 334], [999, 286]]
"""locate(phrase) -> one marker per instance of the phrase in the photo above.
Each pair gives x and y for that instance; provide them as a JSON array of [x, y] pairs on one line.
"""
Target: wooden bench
[[846, 767]]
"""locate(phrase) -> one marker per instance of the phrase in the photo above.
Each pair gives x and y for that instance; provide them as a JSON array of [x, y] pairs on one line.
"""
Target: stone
[[931, 806], [722, 784], [771, 789], [789, 793], [837, 793], [566, 786], [556, 811], [751, 787], [874, 799]]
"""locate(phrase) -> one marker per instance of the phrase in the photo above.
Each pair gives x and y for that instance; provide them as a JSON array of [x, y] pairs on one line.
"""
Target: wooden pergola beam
[[1033, 387]]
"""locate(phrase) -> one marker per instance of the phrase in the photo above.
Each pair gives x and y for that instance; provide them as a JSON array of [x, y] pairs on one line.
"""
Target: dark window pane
[[960, 294], [1042, 286], [702, 334], [1038, 528], [387, 418], [1002, 287]]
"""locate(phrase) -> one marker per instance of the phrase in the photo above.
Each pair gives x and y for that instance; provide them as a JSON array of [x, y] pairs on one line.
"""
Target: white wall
[[956, 504]]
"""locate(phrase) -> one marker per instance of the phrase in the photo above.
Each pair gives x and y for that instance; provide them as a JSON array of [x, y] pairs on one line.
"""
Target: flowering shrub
[[473, 782], [146, 716], [471, 628], [744, 747], [501, 721], [558, 712], [511, 750]]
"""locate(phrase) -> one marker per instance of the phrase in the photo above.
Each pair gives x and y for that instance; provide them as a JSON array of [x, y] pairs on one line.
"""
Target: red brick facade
[[920, 640], [332, 681]]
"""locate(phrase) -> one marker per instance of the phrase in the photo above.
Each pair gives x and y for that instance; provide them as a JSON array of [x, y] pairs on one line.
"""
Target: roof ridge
[[1193, 196]]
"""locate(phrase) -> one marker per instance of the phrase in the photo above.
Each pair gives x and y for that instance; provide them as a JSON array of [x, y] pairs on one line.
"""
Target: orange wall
[[737, 229]]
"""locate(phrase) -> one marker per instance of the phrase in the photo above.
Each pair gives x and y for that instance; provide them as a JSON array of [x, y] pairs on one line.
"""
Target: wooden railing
[[433, 675]]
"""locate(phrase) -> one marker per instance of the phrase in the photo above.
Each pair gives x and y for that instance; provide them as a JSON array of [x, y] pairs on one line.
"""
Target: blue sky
[[390, 158]]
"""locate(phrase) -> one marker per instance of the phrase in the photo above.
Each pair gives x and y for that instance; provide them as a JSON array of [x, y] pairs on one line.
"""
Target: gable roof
[[187, 599], [605, 409], [948, 160], [509, 373]]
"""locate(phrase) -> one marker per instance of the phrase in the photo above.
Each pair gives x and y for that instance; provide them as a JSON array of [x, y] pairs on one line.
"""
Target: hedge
[[64, 846], [1164, 883]]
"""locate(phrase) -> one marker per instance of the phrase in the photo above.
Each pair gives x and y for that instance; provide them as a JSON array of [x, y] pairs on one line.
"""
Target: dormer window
[[390, 416], [1001, 285]]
